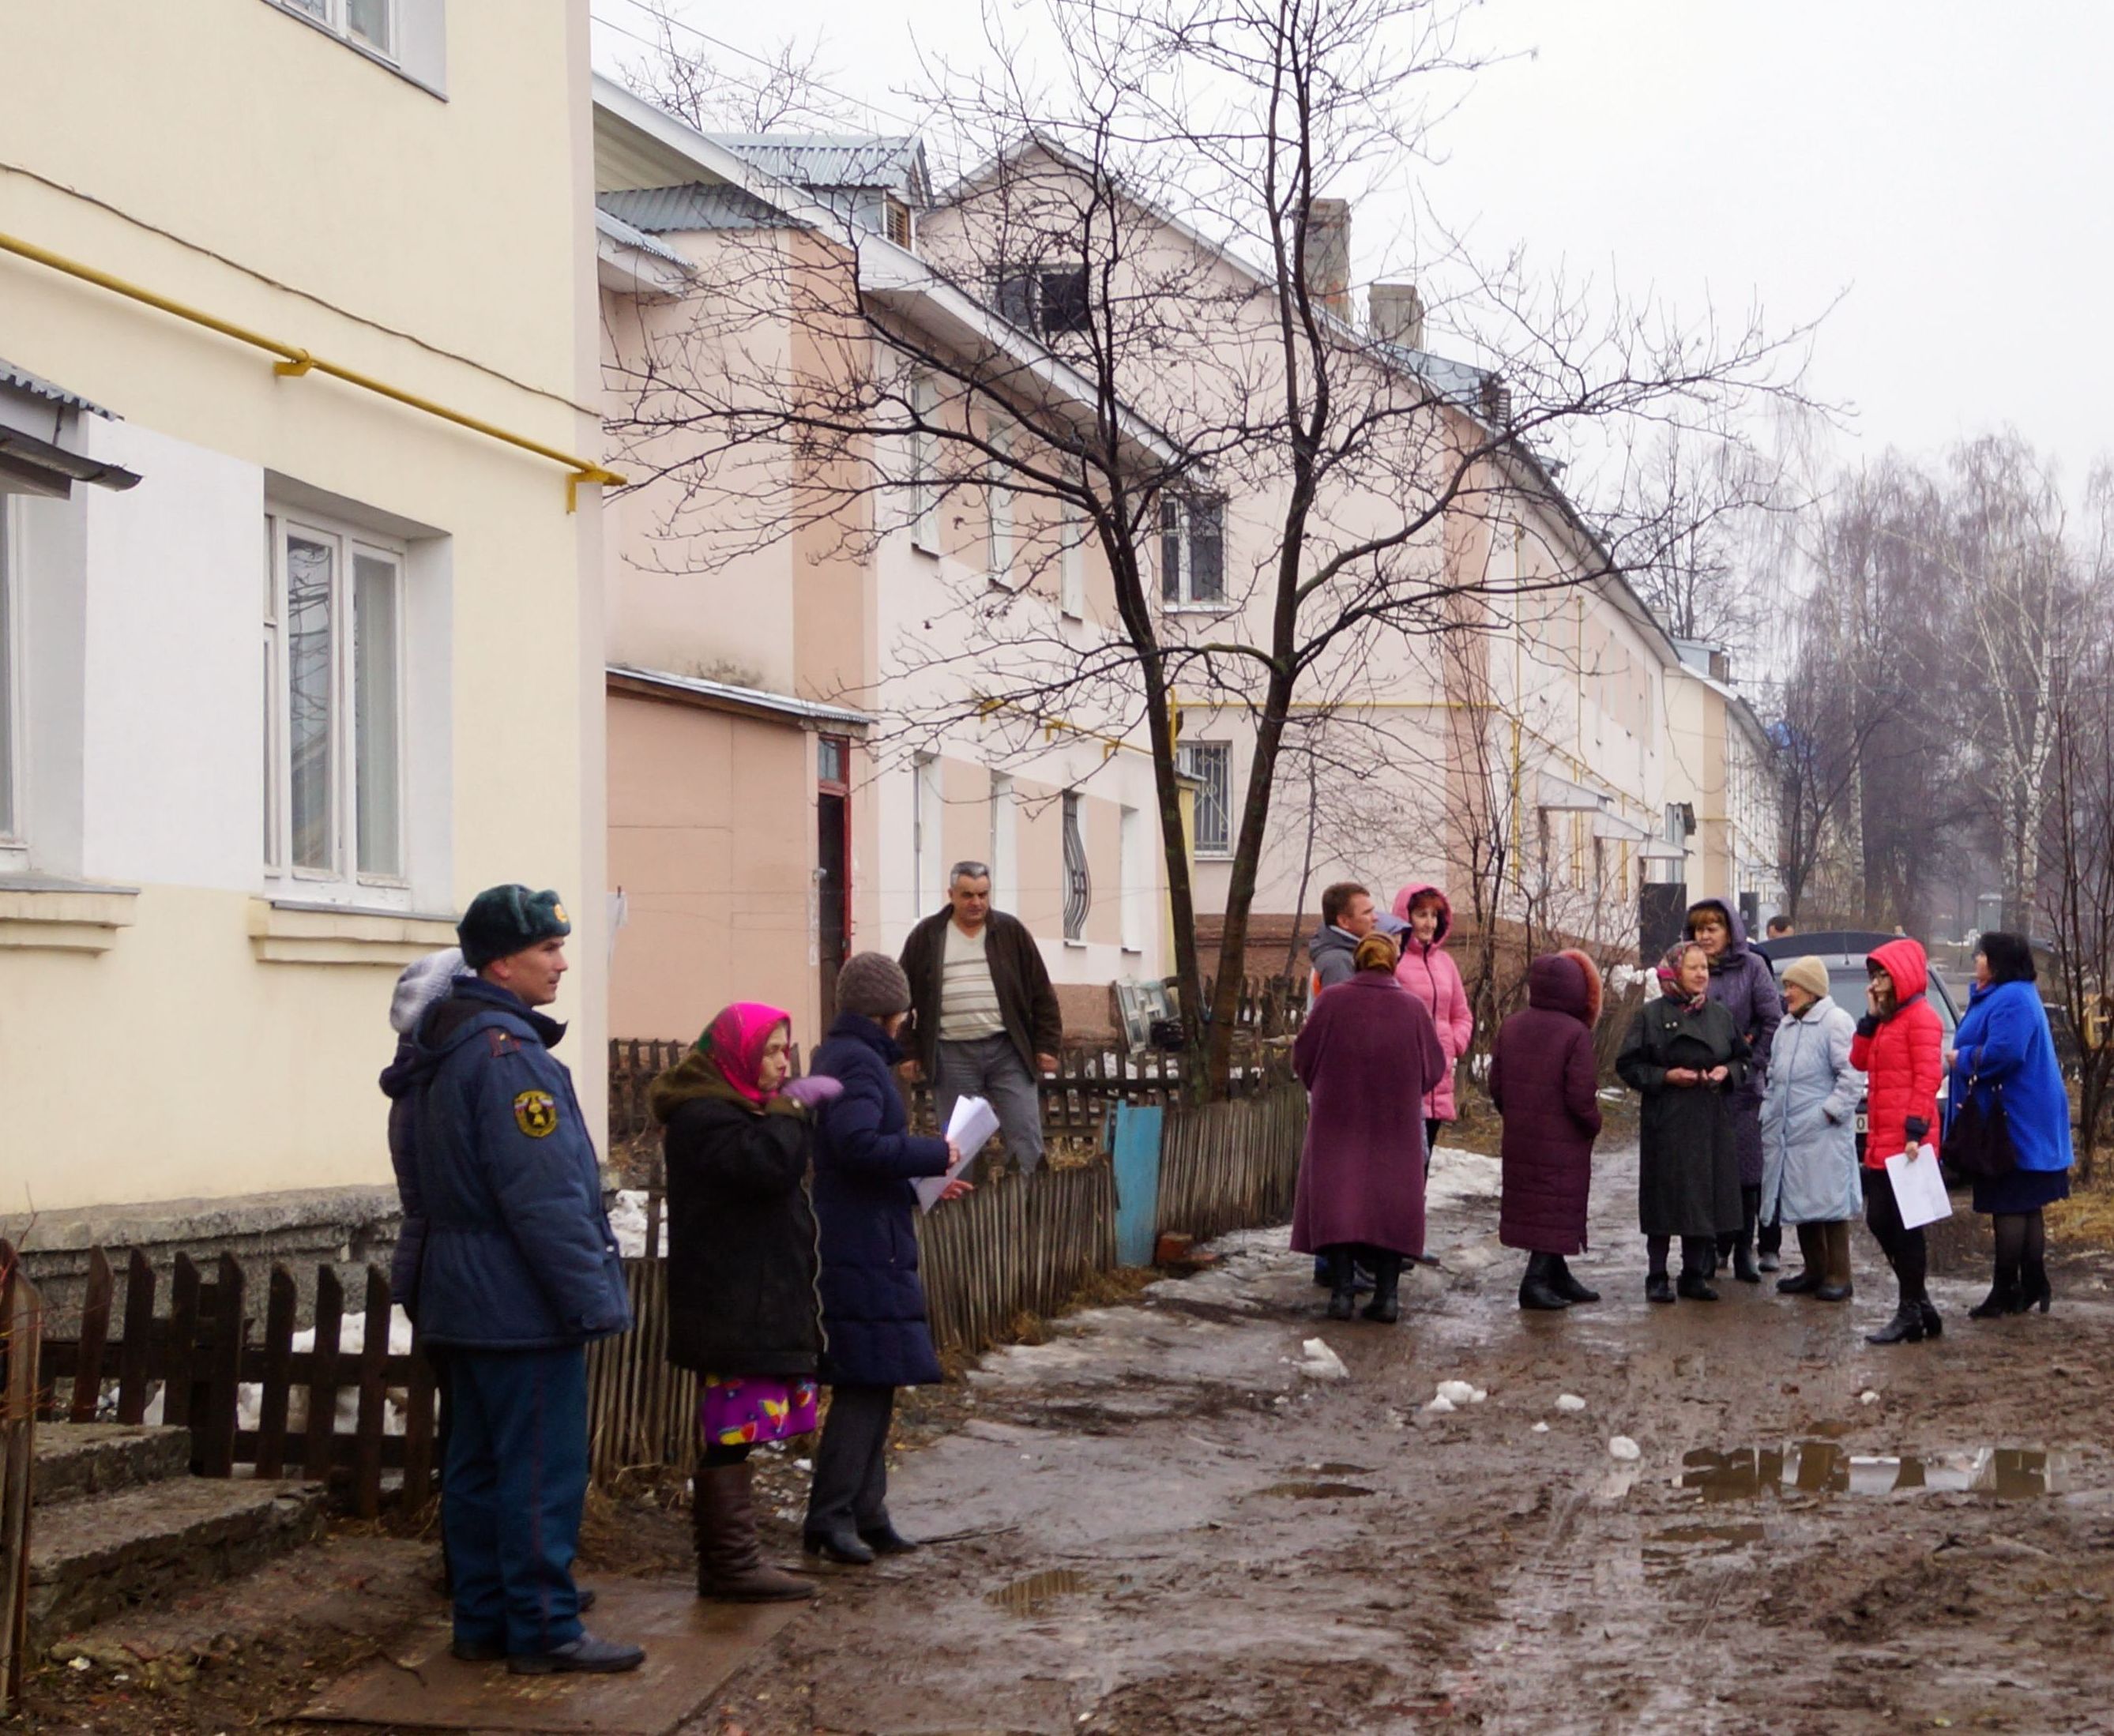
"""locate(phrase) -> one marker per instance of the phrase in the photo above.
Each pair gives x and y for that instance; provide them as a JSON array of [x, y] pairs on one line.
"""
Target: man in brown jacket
[[984, 1020]]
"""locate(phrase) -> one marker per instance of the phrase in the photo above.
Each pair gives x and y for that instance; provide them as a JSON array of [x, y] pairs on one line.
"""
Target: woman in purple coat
[[1545, 1082], [1368, 1048], [1742, 983]]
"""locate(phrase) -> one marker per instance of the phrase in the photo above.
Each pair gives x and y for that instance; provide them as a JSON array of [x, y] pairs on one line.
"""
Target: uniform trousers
[[514, 1485]]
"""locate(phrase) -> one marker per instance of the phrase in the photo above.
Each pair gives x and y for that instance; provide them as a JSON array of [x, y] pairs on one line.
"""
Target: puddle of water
[[1037, 1591], [1337, 1468], [1317, 1491], [1825, 1466], [1731, 1536]]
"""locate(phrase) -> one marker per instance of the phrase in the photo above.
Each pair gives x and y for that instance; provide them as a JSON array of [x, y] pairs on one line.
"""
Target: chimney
[[1397, 315], [1327, 260]]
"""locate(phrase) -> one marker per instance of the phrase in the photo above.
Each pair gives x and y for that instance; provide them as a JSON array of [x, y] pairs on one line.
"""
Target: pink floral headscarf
[[1669, 977], [735, 1041]]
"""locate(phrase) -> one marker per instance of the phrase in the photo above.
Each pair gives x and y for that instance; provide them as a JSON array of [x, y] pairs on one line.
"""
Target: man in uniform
[[519, 1273]]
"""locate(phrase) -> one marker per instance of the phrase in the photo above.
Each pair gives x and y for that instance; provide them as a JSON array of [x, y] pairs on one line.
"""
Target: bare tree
[[1294, 514], [682, 75]]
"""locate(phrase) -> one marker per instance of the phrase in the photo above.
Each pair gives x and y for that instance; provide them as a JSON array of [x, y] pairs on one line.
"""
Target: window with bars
[[333, 698], [1193, 559], [1211, 764], [1050, 303], [1079, 882]]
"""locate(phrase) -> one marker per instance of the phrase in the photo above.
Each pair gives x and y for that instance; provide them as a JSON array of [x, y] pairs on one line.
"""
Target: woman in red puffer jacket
[[1899, 1046]]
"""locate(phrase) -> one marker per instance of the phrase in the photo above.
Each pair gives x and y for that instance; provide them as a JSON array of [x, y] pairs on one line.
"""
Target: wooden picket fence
[[20, 1342], [199, 1356]]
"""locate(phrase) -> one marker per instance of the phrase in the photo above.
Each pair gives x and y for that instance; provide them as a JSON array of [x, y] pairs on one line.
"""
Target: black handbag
[[1978, 1143]]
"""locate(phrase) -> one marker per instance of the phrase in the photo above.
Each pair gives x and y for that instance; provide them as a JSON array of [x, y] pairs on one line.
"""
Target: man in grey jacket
[[1348, 916]]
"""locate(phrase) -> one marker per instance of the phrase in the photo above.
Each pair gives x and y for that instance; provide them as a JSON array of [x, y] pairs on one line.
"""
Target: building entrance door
[[833, 865]]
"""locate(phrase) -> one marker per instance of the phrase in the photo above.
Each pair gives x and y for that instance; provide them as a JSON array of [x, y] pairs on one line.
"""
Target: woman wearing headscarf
[[1367, 1049], [2004, 1056], [1742, 984], [1685, 1057], [1899, 1049], [1428, 971], [742, 1312], [1544, 1080], [1809, 1132], [867, 1161]]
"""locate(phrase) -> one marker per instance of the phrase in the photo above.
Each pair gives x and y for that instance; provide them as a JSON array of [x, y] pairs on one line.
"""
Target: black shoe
[[2034, 1291], [1933, 1327], [1804, 1284], [1386, 1306], [1833, 1293], [2006, 1296], [884, 1539], [479, 1650], [1695, 1287], [1768, 1260], [587, 1656], [1537, 1290], [1906, 1327], [1342, 1305], [1743, 1265], [1566, 1286], [840, 1544], [1659, 1287]]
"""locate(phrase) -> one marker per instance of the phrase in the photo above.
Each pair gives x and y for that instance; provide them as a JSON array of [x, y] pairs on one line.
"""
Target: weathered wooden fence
[[20, 1342]]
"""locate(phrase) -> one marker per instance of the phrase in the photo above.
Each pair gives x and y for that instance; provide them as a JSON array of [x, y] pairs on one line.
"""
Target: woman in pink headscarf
[[743, 1313]]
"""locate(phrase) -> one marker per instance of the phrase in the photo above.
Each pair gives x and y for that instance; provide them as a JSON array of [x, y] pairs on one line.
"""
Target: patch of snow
[[1541, 1428], [1623, 1448], [1318, 1361], [1460, 1176], [1569, 1401], [627, 1222], [1457, 1393], [1868, 1397], [1441, 1405]]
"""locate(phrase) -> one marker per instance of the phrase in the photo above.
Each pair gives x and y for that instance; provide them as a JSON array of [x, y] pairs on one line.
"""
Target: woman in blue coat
[[2003, 1052], [873, 1307]]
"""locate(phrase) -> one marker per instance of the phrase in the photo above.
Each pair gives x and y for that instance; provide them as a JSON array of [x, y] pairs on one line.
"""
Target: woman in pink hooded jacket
[[1432, 976]]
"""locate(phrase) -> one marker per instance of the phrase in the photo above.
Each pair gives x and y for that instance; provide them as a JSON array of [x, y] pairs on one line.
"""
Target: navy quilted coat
[[873, 1307]]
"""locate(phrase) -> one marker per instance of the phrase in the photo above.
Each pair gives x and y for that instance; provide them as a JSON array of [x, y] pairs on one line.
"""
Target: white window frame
[[1071, 563], [1135, 895], [1178, 589], [1004, 846], [924, 483], [340, 880], [927, 843], [336, 16], [14, 709], [998, 502], [1187, 757]]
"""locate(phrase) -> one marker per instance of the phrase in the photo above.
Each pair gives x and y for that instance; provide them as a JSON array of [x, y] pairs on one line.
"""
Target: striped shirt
[[968, 998]]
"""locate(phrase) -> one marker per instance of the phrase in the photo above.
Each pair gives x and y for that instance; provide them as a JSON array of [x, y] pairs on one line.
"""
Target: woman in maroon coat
[[1367, 1055], [1545, 1082]]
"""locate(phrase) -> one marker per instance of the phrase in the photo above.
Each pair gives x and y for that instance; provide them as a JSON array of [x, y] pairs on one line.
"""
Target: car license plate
[[1862, 1126]]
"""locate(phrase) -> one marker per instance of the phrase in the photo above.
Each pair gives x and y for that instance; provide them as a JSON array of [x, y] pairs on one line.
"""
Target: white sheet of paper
[[970, 1127], [1919, 1187]]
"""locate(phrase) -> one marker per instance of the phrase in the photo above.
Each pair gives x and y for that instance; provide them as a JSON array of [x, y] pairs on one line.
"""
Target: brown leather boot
[[1837, 1288], [731, 1565]]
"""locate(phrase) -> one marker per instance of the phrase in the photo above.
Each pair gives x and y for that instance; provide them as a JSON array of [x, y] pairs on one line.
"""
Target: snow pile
[[627, 1221], [1623, 1448], [351, 1341], [1318, 1361], [1569, 1401], [1454, 1395], [1460, 1176]]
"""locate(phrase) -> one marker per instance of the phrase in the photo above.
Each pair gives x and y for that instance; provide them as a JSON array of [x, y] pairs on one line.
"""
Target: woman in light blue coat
[[1809, 1132]]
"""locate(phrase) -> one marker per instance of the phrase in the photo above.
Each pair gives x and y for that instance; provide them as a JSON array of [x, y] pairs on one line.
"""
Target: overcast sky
[[1944, 164]]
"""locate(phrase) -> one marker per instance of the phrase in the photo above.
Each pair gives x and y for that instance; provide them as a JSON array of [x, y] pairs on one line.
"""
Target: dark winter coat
[[1367, 1055], [1902, 1056], [424, 983], [741, 1261], [1544, 1080], [1034, 1022], [1742, 983], [866, 1160], [2004, 1043], [1688, 1165], [519, 1253]]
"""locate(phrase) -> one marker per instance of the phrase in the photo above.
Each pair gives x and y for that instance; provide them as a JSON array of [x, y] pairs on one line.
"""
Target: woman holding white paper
[[1899, 1047], [867, 1162]]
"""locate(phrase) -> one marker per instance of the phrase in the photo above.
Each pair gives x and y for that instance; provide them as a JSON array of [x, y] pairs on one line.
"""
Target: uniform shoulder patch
[[536, 1113], [502, 1043]]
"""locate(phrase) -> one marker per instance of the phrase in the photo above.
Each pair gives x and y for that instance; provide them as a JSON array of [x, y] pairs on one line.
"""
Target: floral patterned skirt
[[746, 1410]]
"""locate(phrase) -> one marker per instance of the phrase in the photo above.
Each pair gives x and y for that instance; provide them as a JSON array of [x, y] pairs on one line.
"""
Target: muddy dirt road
[[1170, 1528]]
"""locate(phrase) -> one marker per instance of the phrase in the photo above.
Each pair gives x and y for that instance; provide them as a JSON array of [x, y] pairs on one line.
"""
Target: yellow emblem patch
[[559, 912], [536, 1113]]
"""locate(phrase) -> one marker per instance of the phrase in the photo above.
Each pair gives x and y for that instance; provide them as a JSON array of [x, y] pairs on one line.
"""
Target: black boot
[[2006, 1296], [1906, 1327], [1536, 1290], [1696, 1287], [1659, 1287], [1567, 1286], [839, 1542], [2034, 1290], [1933, 1327], [1342, 1276], [1387, 1280], [884, 1539], [1743, 1262]]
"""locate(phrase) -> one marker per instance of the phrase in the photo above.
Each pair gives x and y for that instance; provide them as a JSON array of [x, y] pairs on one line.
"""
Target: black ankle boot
[[2006, 1296], [1537, 1291], [1906, 1327], [1659, 1287], [1743, 1262], [1696, 1287], [2034, 1290], [1342, 1276], [1386, 1307], [1566, 1284], [1933, 1327]]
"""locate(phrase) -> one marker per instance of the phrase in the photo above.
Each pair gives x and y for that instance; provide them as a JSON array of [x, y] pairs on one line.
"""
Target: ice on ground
[[1441, 1405], [1459, 1176], [1457, 1393], [1623, 1448], [1569, 1401], [1541, 1428], [1868, 1397], [1319, 1363]]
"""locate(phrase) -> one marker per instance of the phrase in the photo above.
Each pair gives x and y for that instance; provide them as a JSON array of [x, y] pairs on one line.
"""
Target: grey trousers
[[991, 1068], [851, 1463]]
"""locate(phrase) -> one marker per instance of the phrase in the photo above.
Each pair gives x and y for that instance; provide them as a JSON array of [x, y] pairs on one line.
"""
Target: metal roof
[[697, 205], [624, 236], [21, 380], [725, 694], [835, 160]]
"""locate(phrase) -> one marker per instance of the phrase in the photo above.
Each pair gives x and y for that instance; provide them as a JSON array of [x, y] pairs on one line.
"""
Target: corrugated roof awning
[[36, 463], [720, 696], [1560, 795]]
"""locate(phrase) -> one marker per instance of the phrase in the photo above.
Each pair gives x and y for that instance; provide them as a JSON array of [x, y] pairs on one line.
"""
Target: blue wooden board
[[1136, 1148]]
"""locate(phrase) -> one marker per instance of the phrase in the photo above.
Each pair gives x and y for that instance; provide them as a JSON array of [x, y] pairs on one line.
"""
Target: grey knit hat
[[873, 984]]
